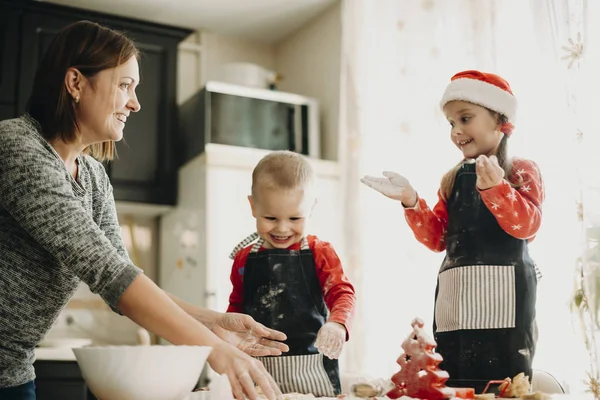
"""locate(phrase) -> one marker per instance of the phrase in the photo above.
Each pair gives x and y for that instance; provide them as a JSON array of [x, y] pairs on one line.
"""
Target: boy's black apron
[[485, 295], [282, 291]]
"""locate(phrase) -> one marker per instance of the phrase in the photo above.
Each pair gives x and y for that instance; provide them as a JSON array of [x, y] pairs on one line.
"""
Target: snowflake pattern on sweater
[[518, 209]]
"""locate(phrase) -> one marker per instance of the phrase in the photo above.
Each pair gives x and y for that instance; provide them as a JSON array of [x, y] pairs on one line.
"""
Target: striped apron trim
[[257, 245], [243, 244], [476, 297], [300, 374], [259, 242]]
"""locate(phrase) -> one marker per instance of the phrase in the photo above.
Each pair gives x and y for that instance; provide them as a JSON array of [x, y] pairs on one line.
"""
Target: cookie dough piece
[[518, 387]]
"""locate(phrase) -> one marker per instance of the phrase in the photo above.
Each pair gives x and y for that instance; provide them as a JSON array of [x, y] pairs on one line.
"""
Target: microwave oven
[[243, 116]]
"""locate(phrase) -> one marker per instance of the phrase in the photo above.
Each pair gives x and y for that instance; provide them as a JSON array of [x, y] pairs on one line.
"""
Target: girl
[[489, 208], [58, 224]]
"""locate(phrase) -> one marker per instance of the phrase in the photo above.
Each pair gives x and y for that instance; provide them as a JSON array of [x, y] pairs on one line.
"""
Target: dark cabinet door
[[144, 170], [60, 380], [61, 390], [7, 112], [9, 53], [36, 35]]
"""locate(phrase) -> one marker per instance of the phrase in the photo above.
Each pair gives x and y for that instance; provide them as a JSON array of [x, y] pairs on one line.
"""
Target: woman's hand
[[489, 172], [150, 307], [248, 335], [239, 330], [243, 371], [394, 186]]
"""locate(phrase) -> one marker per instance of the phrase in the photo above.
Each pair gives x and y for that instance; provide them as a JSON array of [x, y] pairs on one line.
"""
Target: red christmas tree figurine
[[419, 376]]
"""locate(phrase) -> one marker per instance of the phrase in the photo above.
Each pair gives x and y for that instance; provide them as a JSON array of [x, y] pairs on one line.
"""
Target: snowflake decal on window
[[574, 50]]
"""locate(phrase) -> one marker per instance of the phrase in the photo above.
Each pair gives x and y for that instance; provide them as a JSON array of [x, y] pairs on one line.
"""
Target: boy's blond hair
[[282, 170]]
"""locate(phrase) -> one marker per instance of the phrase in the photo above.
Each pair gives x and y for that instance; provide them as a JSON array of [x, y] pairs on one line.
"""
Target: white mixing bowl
[[141, 372]]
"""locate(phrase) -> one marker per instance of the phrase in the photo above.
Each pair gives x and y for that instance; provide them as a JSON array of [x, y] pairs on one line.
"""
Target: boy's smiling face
[[282, 215]]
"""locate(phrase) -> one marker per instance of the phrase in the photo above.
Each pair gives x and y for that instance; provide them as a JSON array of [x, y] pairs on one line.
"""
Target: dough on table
[[298, 396]]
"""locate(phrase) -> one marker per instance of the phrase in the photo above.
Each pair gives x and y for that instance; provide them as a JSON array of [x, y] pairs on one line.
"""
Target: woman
[[58, 223]]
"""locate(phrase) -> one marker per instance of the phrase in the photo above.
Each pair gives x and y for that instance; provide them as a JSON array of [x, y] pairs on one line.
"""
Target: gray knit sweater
[[55, 231]]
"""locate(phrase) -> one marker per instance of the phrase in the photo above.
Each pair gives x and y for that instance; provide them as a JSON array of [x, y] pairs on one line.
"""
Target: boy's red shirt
[[338, 292]]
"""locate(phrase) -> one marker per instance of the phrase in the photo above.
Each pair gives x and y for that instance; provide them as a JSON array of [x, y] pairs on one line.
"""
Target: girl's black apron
[[485, 295], [282, 291]]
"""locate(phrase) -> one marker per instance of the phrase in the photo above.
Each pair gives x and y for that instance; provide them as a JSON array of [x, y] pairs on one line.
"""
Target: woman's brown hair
[[504, 162], [89, 48]]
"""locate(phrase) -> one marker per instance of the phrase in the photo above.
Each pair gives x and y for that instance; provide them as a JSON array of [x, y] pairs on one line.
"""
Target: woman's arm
[[36, 190], [150, 307], [238, 330]]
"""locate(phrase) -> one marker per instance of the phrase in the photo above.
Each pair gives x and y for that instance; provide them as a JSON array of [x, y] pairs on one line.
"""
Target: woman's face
[[106, 101]]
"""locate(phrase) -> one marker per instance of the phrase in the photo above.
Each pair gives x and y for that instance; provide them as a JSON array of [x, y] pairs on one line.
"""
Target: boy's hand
[[249, 336], [489, 172], [330, 339]]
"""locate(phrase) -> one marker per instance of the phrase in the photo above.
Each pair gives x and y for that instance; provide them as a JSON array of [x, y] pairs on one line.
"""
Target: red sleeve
[[518, 210], [429, 226], [236, 298], [337, 290]]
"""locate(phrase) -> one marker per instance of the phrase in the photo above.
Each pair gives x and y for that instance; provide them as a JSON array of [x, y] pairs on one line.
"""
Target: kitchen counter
[[54, 354], [66, 354]]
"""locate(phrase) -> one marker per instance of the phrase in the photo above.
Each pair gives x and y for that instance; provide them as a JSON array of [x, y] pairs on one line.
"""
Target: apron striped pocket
[[476, 297], [299, 374]]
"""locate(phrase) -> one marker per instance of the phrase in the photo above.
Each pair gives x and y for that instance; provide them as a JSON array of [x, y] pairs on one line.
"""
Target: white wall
[[202, 54], [309, 61], [222, 49], [189, 68]]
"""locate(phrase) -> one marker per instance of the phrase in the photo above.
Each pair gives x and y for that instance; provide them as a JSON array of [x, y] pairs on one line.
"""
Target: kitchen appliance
[[241, 116]]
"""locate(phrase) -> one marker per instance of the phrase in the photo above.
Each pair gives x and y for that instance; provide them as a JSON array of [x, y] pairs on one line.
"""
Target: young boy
[[292, 282]]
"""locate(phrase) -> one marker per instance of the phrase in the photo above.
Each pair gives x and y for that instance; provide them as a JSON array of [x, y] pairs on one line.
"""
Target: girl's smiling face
[[475, 129]]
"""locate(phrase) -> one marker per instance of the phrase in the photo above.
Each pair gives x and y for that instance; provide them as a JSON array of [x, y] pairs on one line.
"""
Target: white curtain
[[398, 56], [561, 134]]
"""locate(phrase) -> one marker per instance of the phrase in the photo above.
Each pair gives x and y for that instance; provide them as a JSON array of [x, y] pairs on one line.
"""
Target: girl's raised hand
[[489, 172], [394, 186]]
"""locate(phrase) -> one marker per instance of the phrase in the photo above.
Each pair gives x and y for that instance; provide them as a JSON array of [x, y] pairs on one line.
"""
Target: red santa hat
[[484, 89]]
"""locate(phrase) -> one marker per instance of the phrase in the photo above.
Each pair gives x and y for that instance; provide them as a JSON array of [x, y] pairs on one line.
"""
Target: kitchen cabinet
[[6, 111], [146, 166], [60, 380], [9, 50]]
